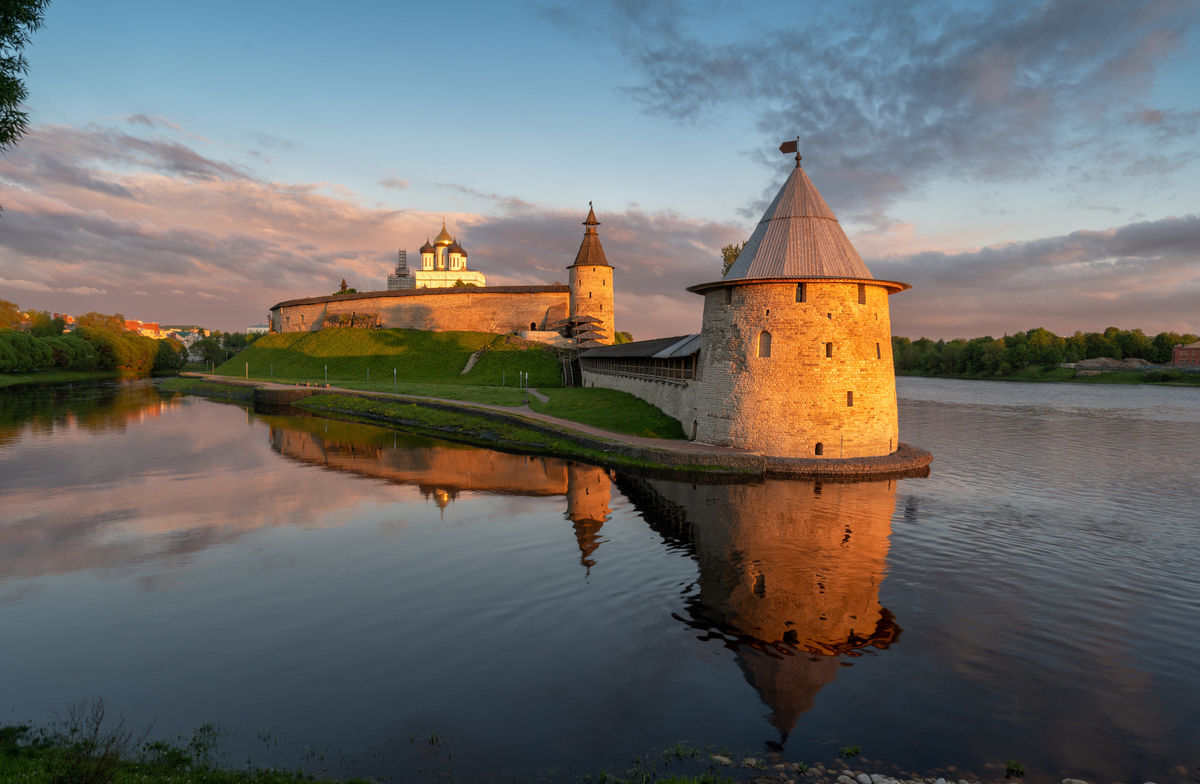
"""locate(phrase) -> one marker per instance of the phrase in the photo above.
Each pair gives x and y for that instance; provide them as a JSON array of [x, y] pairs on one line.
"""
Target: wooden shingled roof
[[591, 253], [798, 237]]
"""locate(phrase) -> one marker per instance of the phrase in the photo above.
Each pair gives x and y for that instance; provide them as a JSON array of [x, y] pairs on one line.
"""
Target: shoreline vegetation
[[1039, 355], [60, 377], [86, 748], [1051, 374]]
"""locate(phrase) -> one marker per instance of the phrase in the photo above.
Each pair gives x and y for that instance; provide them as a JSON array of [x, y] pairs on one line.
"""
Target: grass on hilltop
[[415, 356], [620, 412]]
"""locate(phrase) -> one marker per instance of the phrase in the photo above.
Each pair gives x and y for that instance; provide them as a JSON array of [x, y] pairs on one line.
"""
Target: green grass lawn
[[409, 356], [620, 412]]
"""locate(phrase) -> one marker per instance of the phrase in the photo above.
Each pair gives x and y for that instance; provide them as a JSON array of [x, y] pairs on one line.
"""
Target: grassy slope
[[423, 357], [430, 364], [611, 410]]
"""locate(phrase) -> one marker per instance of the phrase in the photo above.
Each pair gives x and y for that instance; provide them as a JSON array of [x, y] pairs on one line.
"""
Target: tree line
[[1037, 347], [35, 341], [99, 342]]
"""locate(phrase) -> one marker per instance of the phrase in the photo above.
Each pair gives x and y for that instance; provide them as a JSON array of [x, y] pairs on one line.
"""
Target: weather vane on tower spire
[[792, 146]]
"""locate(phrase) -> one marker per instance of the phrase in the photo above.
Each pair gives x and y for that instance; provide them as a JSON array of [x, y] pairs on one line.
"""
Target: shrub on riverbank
[[86, 752], [416, 356]]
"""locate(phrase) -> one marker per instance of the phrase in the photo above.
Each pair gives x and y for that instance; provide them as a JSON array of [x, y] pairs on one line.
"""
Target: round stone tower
[[591, 283], [796, 350]]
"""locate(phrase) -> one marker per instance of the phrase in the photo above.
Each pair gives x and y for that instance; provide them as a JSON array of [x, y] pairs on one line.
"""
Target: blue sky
[[1021, 164]]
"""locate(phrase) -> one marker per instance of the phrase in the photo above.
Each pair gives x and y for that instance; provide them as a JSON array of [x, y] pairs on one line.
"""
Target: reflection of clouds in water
[[155, 496], [123, 500]]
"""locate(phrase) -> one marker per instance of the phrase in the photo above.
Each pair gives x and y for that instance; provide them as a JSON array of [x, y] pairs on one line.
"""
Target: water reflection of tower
[[588, 492], [789, 575]]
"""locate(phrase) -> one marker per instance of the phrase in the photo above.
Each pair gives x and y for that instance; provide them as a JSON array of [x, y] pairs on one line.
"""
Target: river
[[358, 601]]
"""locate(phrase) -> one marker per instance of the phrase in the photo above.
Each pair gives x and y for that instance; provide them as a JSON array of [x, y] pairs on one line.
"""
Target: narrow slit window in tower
[[764, 344], [801, 294], [728, 295], [862, 293], [878, 352], [820, 449], [829, 349], [849, 398]]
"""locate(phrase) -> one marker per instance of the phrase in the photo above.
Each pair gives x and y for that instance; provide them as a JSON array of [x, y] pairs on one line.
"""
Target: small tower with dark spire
[[591, 284]]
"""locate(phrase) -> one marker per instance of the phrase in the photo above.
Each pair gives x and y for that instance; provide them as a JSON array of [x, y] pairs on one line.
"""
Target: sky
[[1020, 164]]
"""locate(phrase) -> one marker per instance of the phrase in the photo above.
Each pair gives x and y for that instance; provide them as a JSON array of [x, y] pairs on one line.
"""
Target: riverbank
[[522, 429], [1158, 377], [60, 377], [85, 753]]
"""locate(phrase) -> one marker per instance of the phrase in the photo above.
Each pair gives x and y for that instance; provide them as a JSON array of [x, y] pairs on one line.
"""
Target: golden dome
[[443, 237]]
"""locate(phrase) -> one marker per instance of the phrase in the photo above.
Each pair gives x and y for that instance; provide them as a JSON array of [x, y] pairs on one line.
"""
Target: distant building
[[148, 329], [445, 295], [443, 264], [257, 329], [1186, 356]]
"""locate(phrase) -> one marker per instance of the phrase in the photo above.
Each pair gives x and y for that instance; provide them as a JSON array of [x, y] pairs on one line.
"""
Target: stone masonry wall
[[592, 295], [675, 398], [788, 402], [477, 310]]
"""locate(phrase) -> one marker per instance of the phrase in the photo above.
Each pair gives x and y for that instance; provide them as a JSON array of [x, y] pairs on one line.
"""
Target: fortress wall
[[477, 310], [786, 403], [675, 398]]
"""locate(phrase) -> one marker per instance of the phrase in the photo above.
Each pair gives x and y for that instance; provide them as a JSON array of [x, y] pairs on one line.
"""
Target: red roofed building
[[1186, 356]]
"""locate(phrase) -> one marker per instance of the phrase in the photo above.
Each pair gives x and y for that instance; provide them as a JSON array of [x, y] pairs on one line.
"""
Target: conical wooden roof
[[798, 237], [591, 253]]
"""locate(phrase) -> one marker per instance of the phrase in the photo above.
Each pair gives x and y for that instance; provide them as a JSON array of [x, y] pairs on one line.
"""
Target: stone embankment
[[666, 453]]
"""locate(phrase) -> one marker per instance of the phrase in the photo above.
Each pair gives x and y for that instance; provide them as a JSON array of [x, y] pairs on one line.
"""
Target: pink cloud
[[159, 231]]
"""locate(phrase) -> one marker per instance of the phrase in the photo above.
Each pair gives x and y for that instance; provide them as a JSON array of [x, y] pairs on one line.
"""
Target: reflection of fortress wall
[[589, 490], [789, 574], [448, 468]]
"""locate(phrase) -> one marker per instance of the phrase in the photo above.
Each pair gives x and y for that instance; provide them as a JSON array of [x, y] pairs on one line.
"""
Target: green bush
[[1162, 375]]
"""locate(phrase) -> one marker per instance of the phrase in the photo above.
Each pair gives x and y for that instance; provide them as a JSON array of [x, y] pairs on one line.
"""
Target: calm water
[[360, 601]]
